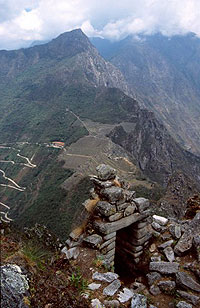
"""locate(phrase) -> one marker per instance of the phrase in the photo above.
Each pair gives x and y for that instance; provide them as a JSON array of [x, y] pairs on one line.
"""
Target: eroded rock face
[[14, 286]]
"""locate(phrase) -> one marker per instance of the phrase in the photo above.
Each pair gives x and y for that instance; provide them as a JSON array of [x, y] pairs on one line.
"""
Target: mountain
[[63, 112], [163, 75]]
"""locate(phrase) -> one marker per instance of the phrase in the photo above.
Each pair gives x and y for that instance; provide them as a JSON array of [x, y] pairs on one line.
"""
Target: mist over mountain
[[163, 75]]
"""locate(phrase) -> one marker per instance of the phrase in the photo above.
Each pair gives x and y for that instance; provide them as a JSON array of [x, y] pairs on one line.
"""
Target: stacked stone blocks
[[117, 208]]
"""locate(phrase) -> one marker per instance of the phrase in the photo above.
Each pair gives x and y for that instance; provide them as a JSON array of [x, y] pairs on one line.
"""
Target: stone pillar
[[117, 208]]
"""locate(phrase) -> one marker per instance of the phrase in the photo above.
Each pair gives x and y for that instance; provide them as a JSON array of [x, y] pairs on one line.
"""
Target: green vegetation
[[78, 281]]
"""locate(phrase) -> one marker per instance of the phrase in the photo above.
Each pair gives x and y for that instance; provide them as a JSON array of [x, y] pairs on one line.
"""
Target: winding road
[[11, 183]]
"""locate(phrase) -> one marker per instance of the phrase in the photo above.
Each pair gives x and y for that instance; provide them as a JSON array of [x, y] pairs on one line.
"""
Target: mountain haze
[[65, 91], [163, 75]]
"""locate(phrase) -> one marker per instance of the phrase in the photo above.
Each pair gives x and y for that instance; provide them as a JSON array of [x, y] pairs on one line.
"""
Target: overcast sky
[[22, 21]]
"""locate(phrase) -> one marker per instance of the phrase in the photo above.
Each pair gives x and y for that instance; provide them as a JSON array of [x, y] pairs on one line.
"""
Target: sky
[[24, 21]]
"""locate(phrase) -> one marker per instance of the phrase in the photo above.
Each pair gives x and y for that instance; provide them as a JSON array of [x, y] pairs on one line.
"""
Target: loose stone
[[112, 288], [185, 243], [93, 240], [169, 253], [187, 282], [167, 286], [166, 244], [183, 304], [195, 300], [164, 267], [108, 277], [139, 301], [125, 295], [160, 220], [105, 172], [94, 286]]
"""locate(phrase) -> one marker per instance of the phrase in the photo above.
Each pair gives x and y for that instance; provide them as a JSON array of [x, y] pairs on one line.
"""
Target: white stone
[[108, 277], [160, 220], [94, 286], [71, 253], [125, 295], [95, 303], [112, 288]]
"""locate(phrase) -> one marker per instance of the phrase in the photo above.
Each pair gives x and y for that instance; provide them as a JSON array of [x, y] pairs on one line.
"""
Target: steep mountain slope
[[64, 91], [163, 75]]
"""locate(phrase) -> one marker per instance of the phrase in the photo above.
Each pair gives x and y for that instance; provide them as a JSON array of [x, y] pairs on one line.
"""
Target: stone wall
[[113, 207]]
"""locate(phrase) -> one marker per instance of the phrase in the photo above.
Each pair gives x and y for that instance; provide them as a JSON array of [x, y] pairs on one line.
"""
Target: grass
[[36, 254]]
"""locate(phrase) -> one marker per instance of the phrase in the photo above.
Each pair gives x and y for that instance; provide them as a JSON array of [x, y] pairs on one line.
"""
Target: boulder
[[14, 286], [112, 288], [187, 282], [164, 267], [105, 208], [139, 301], [105, 172]]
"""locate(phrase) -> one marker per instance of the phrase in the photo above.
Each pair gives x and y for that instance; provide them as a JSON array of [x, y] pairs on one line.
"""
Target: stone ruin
[[118, 220]]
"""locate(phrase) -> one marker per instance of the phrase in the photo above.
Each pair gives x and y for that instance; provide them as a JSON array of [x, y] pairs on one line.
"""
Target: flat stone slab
[[139, 301], [166, 244], [185, 243], [93, 240], [94, 286], [109, 227], [112, 288], [187, 282], [108, 277], [195, 300], [164, 267], [183, 304], [125, 295]]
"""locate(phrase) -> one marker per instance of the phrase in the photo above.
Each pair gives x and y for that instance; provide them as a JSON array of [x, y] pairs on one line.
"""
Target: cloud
[[23, 21]]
